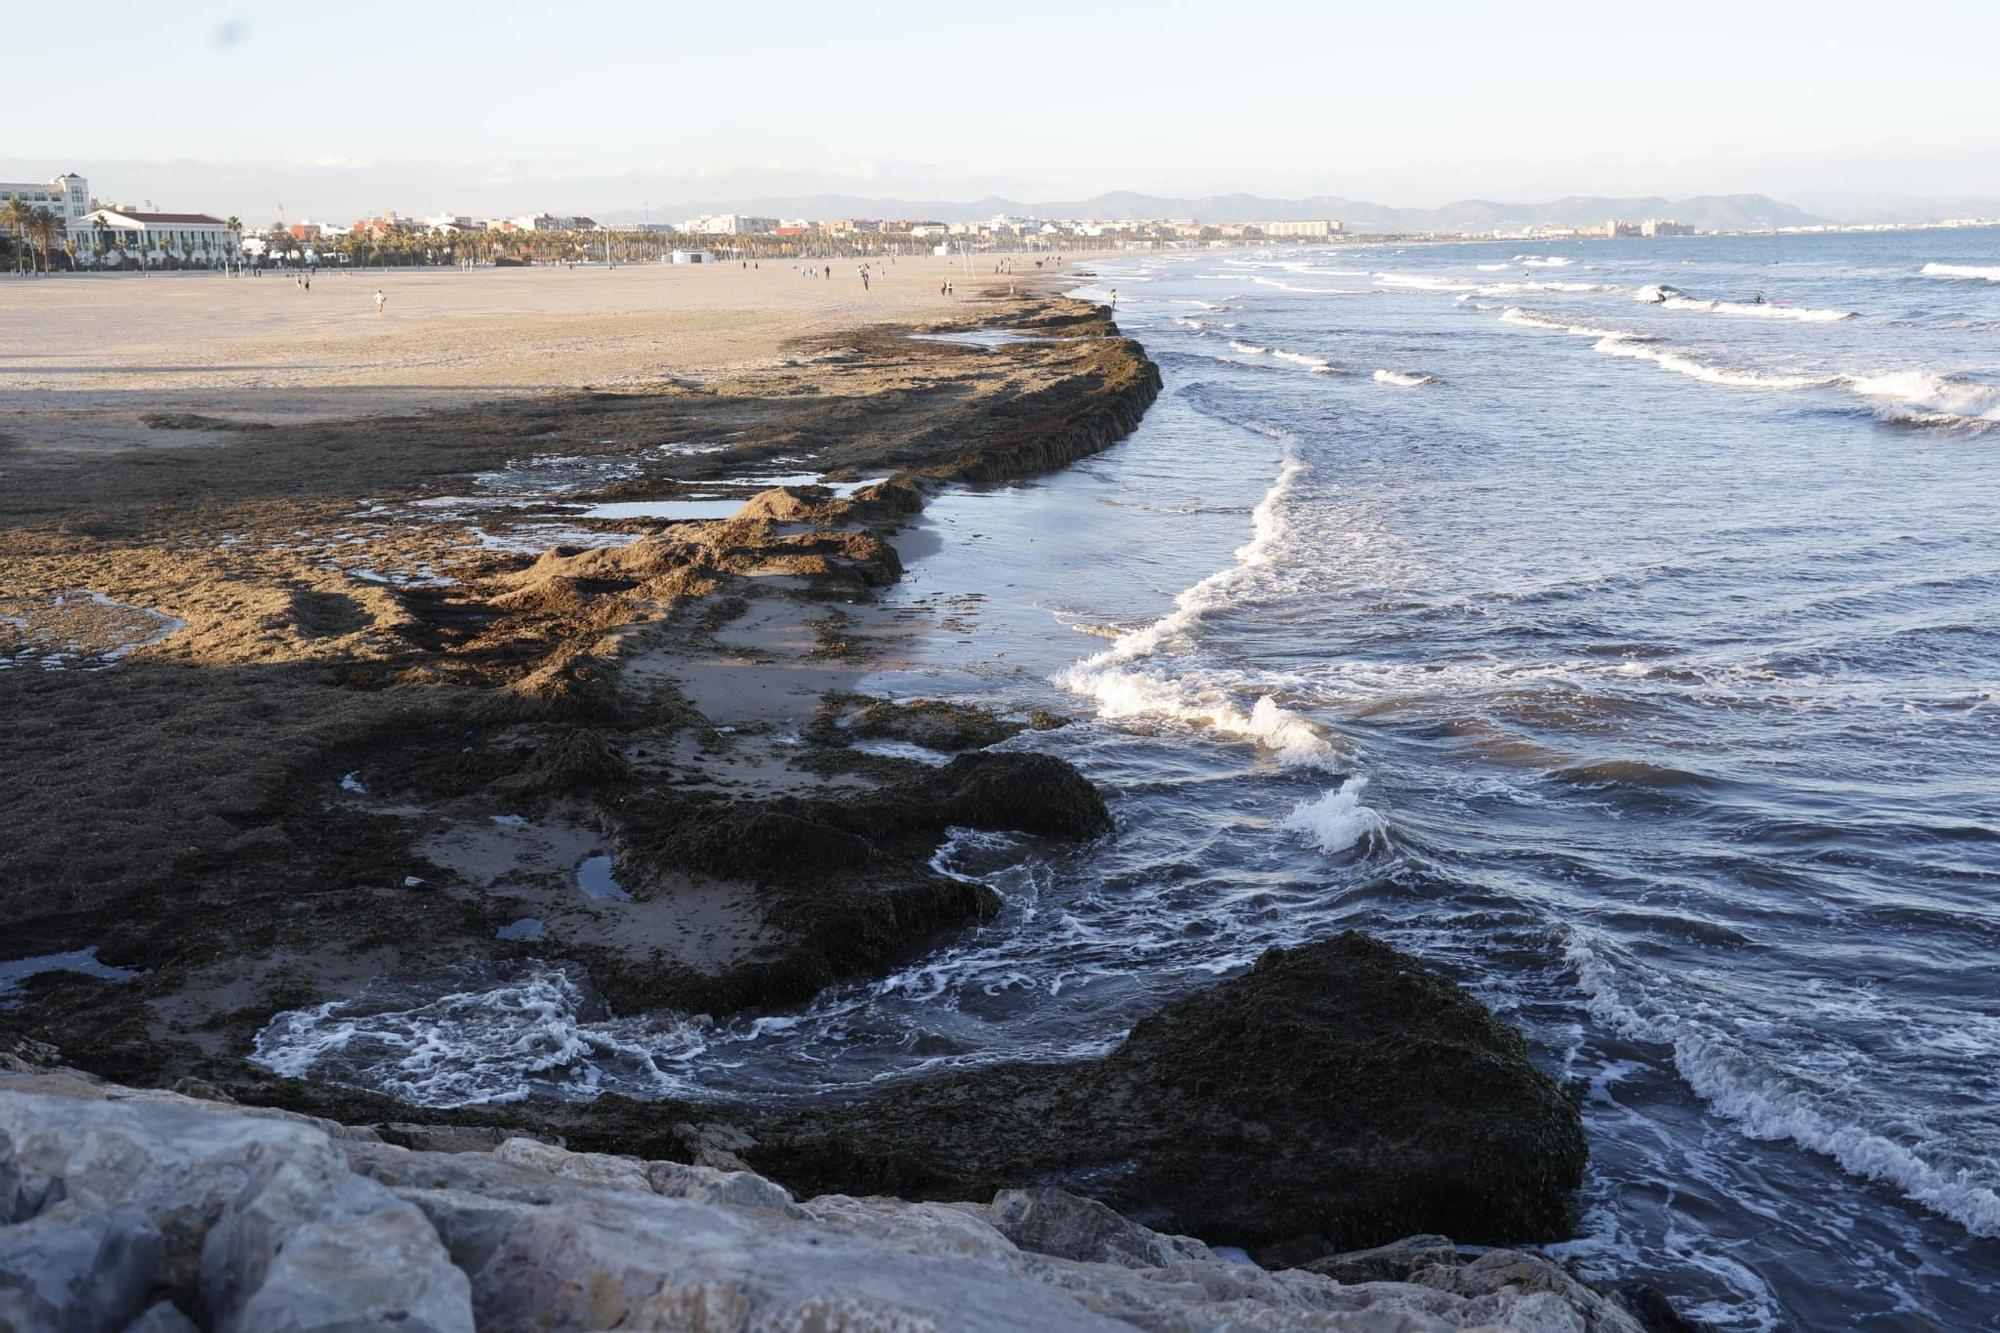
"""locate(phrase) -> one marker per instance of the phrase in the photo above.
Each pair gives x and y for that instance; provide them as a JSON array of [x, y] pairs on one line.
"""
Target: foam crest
[[1318, 365], [1404, 379], [1337, 820], [1923, 397], [1681, 363], [1764, 1103], [1971, 271], [1672, 298], [1126, 685]]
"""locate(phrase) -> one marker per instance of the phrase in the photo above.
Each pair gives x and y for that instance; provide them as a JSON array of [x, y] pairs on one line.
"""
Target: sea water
[[1615, 625]]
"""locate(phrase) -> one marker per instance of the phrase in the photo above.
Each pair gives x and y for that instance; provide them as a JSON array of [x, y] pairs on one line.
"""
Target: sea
[[1614, 625]]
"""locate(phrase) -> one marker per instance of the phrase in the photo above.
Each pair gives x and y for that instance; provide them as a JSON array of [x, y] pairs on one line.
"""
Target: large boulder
[[1339, 1092], [257, 1222], [350, 1233]]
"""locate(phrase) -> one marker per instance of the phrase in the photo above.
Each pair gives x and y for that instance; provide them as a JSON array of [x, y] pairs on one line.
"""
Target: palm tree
[[17, 216], [44, 227]]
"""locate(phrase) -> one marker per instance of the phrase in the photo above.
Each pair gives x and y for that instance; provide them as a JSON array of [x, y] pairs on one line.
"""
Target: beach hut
[[691, 257]]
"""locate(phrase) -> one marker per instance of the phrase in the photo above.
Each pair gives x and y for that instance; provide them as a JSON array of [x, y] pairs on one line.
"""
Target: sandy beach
[[82, 356]]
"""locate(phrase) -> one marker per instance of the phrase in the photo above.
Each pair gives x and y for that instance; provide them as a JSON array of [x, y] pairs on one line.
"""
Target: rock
[[1054, 1222], [932, 723], [314, 1233], [444, 1138], [163, 1317], [75, 1267], [735, 1189], [259, 1219], [1393, 1262], [311, 1245], [595, 1167], [1338, 1091], [1032, 793], [715, 1145], [177, 1166], [1525, 1277]]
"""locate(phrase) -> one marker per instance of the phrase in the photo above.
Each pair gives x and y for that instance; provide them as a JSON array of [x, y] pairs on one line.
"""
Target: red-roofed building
[[113, 236]]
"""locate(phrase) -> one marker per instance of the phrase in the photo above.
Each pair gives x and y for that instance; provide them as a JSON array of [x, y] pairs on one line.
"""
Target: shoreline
[[600, 685], [680, 708]]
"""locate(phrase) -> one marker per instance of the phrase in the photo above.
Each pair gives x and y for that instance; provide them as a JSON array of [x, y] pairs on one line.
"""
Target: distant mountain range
[[1717, 211]]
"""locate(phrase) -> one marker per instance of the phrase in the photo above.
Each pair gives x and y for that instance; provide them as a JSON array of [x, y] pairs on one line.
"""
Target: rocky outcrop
[[156, 1212], [1338, 1094], [846, 882]]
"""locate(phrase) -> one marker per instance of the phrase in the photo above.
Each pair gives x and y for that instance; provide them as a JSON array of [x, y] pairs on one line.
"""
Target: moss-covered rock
[[1339, 1091]]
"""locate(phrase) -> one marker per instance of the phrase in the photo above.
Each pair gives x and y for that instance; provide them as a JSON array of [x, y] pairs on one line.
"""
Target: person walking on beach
[[380, 300]]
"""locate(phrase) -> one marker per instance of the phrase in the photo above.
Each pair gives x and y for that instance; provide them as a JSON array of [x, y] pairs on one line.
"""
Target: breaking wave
[[1404, 378], [1910, 397], [1672, 298], [1962, 271], [1128, 681], [1318, 365], [1763, 1100], [1337, 820]]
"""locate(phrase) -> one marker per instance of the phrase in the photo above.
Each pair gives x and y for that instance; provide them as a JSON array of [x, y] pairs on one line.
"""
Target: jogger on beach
[[380, 300]]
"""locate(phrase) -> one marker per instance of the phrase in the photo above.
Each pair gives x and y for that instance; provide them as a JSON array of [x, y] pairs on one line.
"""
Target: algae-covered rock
[[1339, 1090]]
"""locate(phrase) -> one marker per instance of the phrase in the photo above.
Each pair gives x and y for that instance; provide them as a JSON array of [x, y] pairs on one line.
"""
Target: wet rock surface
[[268, 1221], [1337, 1095]]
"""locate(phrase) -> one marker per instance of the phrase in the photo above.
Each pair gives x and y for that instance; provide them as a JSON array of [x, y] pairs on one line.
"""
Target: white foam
[[1318, 365], [1915, 397], [1973, 271], [1682, 363], [1940, 398], [1762, 1102], [1671, 298], [1543, 261], [1126, 684], [474, 1044], [1404, 378], [1637, 346], [1337, 820]]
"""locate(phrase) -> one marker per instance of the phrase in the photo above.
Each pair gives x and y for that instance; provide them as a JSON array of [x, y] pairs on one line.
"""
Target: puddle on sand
[[987, 338], [593, 876], [667, 509], [14, 973], [528, 928], [77, 630]]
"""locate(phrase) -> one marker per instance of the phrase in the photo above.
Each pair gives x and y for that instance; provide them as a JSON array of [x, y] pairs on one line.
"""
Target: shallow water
[[1632, 661], [14, 973]]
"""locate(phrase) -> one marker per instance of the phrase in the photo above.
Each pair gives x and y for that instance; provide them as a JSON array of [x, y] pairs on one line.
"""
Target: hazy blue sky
[[501, 106]]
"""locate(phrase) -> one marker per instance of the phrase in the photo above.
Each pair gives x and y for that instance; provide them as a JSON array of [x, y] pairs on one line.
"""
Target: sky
[[614, 107]]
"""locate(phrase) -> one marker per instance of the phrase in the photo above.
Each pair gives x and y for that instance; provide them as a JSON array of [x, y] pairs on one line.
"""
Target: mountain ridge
[[1715, 211]]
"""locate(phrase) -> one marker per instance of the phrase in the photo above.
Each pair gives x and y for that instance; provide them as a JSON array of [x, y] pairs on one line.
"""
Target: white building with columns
[[112, 237]]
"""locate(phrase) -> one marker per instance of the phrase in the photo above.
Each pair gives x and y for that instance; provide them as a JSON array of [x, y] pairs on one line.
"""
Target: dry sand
[[82, 356]]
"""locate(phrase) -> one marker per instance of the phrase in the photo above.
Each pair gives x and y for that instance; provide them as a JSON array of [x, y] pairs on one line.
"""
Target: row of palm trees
[[34, 228]]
